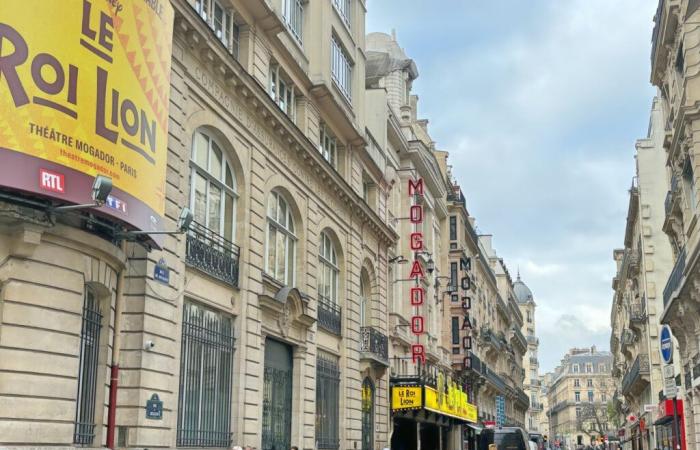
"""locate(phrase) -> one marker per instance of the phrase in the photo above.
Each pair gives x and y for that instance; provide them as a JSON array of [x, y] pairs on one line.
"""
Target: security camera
[[183, 223], [149, 345], [101, 189]]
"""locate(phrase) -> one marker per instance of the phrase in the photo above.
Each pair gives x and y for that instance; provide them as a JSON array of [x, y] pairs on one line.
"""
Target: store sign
[[154, 408], [666, 341], [84, 90], [406, 397], [417, 292], [500, 410], [453, 404]]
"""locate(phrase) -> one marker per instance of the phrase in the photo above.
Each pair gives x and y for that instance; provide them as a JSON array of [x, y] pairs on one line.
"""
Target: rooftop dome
[[522, 293]]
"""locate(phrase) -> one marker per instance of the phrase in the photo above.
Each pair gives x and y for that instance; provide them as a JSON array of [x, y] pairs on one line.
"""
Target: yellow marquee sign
[[453, 403], [84, 91], [406, 397]]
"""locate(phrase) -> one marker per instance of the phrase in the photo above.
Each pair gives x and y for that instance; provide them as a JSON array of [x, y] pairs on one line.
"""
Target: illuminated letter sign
[[417, 293]]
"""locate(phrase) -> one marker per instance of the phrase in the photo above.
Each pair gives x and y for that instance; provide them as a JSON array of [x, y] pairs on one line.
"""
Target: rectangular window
[[282, 92], [575, 368], [453, 228], [341, 68], [204, 413], [577, 396], [344, 9], [328, 146], [590, 396], [220, 20], [453, 275], [603, 397], [455, 331], [327, 401], [294, 17], [589, 383], [589, 368], [578, 412], [601, 367], [88, 364]]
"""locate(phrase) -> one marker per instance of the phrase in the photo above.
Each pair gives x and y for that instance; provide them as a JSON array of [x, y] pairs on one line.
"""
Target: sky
[[539, 104]]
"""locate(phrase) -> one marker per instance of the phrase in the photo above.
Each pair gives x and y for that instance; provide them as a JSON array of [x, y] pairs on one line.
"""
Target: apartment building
[[578, 397], [674, 64], [643, 266]]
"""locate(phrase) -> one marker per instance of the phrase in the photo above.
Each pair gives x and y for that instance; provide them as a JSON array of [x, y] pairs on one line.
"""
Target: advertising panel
[[406, 397], [84, 91], [453, 404]]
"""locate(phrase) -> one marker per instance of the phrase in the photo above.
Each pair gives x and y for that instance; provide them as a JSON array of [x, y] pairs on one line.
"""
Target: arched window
[[367, 414], [281, 241], [328, 271], [365, 314], [213, 195]]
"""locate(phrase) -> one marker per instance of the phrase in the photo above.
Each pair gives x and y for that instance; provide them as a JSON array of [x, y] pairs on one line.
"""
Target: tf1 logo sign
[[52, 181]]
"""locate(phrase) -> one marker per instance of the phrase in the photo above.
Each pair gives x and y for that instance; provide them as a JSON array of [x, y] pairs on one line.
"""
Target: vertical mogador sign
[[417, 292], [84, 91]]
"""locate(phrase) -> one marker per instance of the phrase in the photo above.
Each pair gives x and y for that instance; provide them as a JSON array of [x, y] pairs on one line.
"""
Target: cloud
[[539, 105]]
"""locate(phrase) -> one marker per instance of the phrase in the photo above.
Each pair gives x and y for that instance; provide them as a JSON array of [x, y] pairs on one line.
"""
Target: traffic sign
[[669, 371], [666, 341], [670, 387]]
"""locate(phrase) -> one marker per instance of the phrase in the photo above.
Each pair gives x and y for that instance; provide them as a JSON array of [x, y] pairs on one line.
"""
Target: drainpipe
[[116, 350]]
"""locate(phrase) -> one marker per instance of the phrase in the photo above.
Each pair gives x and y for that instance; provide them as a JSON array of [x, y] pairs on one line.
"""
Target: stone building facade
[[643, 267], [275, 317], [285, 317], [674, 64], [578, 397], [532, 384]]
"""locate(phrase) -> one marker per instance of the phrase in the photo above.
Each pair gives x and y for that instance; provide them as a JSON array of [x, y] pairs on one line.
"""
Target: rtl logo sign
[[52, 181]]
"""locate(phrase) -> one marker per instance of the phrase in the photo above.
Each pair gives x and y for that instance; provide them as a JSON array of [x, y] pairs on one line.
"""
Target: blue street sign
[[154, 408], [161, 272], [666, 344]]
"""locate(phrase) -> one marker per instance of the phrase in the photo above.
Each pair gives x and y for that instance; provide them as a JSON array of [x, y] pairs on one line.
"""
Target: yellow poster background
[[139, 71]]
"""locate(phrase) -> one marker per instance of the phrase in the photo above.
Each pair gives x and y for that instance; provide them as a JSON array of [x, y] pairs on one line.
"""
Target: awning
[[476, 427]]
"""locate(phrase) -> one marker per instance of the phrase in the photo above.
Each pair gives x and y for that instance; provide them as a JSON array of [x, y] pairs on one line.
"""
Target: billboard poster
[[84, 91]]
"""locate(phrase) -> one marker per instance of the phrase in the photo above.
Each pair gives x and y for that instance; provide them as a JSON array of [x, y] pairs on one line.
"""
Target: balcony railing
[[532, 340], [329, 317], [639, 367], [491, 338], [674, 279], [456, 196], [668, 203], [638, 311], [520, 337], [211, 253], [374, 344]]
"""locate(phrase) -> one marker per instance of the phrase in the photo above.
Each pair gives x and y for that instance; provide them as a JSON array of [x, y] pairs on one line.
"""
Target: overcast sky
[[539, 104]]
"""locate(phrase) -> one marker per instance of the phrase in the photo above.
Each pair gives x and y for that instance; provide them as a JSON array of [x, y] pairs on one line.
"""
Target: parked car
[[511, 438]]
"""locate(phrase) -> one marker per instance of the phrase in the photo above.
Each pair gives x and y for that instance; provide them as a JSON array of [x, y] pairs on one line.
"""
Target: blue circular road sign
[[666, 342]]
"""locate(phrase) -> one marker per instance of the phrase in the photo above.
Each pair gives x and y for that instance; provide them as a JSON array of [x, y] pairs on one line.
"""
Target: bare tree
[[592, 419]]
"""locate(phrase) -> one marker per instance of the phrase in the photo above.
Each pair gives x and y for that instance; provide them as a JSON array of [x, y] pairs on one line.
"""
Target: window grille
[[327, 402], [341, 69], [84, 432], [204, 413]]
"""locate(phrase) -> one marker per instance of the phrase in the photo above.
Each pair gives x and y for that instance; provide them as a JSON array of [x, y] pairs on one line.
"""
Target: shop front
[[429, 417], [670, 425]]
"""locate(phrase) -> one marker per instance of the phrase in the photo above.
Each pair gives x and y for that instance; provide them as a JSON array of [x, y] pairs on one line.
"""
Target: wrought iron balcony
[[635, 374], [638, 311], [374, 345], [534, 382], [456, 196], [674, 280], [490, 338], [522, 398], [494, 378], [329, 317], [533, 340], [520, 337], [668, 202], [211, 253]]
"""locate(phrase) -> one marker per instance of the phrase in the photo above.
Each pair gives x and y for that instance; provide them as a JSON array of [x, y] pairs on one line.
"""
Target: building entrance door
[[277, 396]]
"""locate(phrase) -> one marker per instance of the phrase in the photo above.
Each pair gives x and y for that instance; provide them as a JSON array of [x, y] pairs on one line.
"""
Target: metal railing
[[329, 317], [328, 404], [639, 367], [667, 203], [84, 432], [674, 279], [456, 196], [638, 311], [532, 340], [374, 342], [520, 337], [211, 253], [490, 338]]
